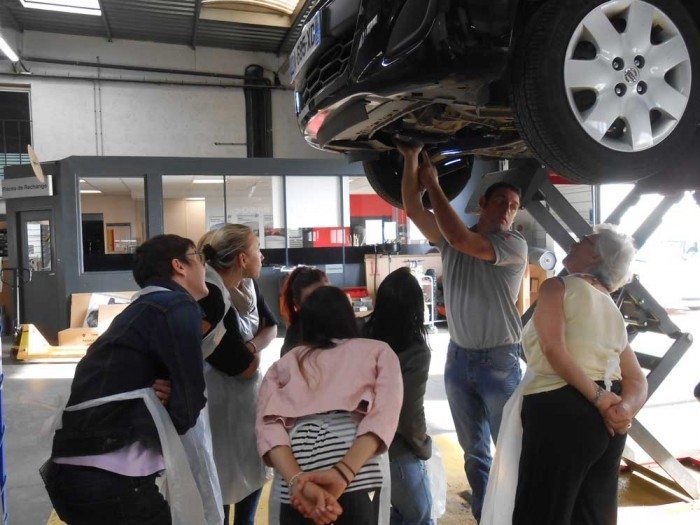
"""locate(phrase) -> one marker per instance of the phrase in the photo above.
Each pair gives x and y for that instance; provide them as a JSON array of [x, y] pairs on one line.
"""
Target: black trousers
[[86, 495], [358, 509], [569, 464]]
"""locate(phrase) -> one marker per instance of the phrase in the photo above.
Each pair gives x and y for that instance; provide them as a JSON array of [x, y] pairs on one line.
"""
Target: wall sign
[[27, 187]]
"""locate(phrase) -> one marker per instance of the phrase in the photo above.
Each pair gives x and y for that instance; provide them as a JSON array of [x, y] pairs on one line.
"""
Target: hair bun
[[209, 253]]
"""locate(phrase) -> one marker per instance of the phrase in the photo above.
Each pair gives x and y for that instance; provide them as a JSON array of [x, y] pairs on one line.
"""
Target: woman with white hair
[[582, 390]]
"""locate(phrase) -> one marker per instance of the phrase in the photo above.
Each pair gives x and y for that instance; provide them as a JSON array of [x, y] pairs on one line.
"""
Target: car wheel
[[607, 91], [384, 175]]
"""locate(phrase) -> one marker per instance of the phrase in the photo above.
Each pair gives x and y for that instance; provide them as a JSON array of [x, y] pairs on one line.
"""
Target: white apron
[[232, 403], [499, 501], [189, 483]]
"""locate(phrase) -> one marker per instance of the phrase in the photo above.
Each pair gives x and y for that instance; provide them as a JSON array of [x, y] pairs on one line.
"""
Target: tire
[[384, 175], [553, 127]]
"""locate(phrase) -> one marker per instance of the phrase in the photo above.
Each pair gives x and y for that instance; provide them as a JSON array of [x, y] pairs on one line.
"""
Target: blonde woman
[[237, 326]]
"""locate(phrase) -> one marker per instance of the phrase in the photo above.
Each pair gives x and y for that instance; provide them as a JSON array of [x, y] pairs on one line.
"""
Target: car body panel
[[392, 67]]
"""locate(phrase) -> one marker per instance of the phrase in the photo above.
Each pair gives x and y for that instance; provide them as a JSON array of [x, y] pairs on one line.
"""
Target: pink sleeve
[[269, 430], [383, 417]]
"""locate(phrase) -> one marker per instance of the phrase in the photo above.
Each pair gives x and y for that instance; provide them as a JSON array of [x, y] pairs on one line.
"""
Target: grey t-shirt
[[480, 296]]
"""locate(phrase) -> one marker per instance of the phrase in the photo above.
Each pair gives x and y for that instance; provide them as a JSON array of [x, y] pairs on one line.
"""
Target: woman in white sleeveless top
[[237, 326], [582, 390]]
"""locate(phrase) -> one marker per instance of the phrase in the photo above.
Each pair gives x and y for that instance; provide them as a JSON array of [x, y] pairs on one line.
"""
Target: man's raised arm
[[411, 195]]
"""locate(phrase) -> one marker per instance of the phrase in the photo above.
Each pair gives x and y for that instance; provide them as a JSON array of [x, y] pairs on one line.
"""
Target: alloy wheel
[[627, 75]]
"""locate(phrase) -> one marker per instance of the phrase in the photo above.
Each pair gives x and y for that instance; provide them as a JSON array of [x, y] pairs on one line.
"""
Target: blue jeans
[[478, 383], [411, 499], [244, 511]]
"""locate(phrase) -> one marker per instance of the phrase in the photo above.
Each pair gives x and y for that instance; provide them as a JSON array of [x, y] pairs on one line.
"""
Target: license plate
[[308, 42]]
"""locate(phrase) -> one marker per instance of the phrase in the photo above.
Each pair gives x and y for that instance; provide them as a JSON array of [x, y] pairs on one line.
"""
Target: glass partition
[[112, 221]]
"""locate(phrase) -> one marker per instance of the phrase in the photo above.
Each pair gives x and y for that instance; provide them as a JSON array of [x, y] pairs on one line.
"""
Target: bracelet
[[342, 474], [293, 479], [255, 348], [341, 462], [598, 393]]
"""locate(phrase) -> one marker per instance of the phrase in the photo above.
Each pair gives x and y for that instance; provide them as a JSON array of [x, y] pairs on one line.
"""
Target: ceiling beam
[[7, 14], [195, 23], [105, 20], [297, 20]]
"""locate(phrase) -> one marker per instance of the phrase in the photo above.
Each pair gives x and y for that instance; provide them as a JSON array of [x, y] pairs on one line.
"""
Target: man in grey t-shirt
[[482, 271]]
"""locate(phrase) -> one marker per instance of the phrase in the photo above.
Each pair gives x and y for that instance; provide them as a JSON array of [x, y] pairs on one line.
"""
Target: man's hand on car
[[427, 173], [409, 151]]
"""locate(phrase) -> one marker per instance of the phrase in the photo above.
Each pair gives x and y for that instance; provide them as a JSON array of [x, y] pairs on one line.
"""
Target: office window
[[39, 245], [258, 202], [192, 205], [15, 128], [372, 220], [113, 221], [316, 231]]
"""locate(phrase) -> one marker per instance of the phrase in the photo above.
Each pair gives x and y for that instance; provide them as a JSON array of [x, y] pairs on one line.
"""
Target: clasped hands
[[315, 495], [617, 415]]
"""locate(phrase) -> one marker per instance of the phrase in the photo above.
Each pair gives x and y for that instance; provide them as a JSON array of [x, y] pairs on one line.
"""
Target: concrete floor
[[31, 391]]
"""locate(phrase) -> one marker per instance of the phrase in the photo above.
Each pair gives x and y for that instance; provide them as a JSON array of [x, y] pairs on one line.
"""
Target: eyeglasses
[[198, 254]]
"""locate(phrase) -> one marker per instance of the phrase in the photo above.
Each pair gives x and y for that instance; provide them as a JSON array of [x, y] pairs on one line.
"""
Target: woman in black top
[[237, 326], [398, 320], [298, 286]]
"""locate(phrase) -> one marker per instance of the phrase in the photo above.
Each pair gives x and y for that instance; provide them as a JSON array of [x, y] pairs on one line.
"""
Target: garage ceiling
[[250, 25]]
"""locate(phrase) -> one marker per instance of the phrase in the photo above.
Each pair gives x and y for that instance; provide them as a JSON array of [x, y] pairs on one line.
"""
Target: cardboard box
[[107, 313], [78, 336], [79, 303]]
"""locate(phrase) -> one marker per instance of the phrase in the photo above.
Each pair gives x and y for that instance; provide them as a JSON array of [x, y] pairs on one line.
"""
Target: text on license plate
[[308, 42]]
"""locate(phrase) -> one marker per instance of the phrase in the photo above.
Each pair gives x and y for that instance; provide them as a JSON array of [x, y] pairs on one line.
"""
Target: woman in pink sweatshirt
[[325, 411]]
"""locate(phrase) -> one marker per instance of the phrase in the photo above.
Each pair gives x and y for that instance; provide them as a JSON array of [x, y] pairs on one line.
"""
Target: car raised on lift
[[598, 90]]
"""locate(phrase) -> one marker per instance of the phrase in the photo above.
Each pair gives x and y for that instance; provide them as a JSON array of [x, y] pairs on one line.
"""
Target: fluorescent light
[[90, 191], [208, 181], [9, 52], [81, 7], [83, 180], [195, 199]]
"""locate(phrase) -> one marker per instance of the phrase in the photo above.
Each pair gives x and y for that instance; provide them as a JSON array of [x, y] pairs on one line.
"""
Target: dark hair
[[153, 259], [294, 284], [497, 186], [398, 317], [325, 315]]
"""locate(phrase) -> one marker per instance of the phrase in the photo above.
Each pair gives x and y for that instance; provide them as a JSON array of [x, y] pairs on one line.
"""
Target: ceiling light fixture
[[208, 181], [90, 191], [7, 49], [195, 199], [80, 7]]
